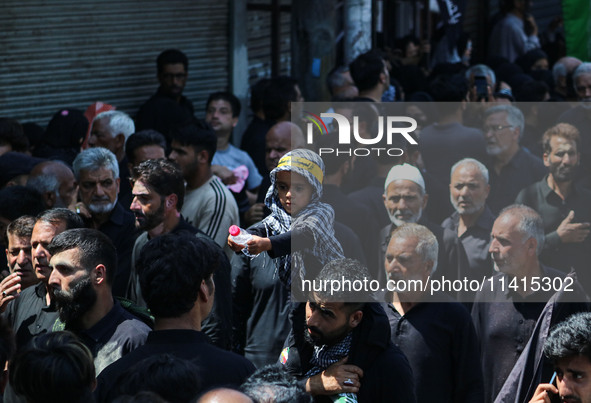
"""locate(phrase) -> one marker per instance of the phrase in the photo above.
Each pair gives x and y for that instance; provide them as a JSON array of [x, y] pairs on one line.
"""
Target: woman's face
[[295, 192]]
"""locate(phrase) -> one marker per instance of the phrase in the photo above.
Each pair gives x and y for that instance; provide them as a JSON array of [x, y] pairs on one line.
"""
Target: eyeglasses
[[582, 89], [495, 128]]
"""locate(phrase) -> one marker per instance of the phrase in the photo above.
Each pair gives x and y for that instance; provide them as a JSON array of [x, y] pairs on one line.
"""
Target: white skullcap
[[405, 171]]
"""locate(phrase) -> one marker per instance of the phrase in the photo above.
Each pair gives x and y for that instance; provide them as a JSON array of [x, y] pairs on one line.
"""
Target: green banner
[[576, 28]]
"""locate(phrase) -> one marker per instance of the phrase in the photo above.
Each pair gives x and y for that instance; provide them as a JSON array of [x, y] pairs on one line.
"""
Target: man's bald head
[[281, 139], [55, 174]]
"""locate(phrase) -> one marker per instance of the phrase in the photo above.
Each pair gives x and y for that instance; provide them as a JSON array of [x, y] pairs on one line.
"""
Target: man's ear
[[170, 201], [120, 141], [100, 275], [355, 318], [49, 198], [203, 156]]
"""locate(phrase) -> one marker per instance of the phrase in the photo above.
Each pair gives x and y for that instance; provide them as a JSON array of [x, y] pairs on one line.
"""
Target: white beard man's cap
[[405, 171]]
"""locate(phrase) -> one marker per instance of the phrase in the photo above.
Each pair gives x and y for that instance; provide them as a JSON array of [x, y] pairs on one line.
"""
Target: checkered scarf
[[325, 356], [316, 217]]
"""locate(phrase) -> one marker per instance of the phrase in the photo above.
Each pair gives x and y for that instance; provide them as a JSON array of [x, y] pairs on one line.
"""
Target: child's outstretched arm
[[258, 244]]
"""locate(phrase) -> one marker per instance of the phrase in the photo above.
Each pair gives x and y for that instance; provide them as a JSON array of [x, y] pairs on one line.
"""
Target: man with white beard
[[97, 172], [405, 200], [473, 220]]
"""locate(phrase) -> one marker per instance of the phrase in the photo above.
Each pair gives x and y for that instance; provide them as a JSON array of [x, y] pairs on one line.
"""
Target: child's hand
[[258, 244], [233, 245]]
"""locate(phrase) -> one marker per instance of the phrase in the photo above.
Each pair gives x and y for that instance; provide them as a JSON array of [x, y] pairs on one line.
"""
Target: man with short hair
[[84, 262], [55, 181], [97, 173], [568, 347], [563, 204], [110, 130], [580, 117], [32, 313], [177, 283], [511, 168], [340, 345], [433, 331], [209, 205], [370, 75], [168, 107], [472, 220], [506, 310], [159, 192], [144, 145], [18, 254], [221, 113], [405, 200]]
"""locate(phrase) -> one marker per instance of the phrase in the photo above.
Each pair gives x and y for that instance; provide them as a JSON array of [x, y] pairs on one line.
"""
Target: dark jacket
[[387, 376]]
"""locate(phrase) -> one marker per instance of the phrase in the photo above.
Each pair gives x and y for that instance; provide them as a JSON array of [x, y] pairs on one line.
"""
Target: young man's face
[[219, 116], [573, 378], [185, 157], [563, 160], [327, 322], [147, 206], [71, 285], [294, 191], [173, 78], [147, 152]]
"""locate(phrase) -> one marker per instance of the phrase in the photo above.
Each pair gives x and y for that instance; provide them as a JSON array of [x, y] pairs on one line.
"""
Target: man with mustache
[[158, 196], [568, 347], [405, 200], [83, 263], [18, 254], [509, 308], [511, 168], [168, 107], [97, 172], [31, 312], [339, 346], [472, 221], [563, 205]]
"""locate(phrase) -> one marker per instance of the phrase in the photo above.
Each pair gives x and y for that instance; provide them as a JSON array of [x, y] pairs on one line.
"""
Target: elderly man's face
[[510, 248], [98, 190], [499, 135], [403, 262], [101, 135], [583, 87], [468, 190], [404, 202]]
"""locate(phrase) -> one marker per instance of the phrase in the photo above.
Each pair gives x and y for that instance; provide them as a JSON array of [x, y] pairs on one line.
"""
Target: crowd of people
[[123, 284]]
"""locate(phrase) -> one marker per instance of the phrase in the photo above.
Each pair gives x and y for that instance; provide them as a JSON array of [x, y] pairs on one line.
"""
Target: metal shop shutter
[[69, 53]]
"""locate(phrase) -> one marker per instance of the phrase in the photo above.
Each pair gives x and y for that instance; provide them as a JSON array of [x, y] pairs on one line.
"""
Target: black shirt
[[29, 314], [504, 322], [476, 241], [112, 337], [523, 170], [439, 340], [217, 367], [553, 211], [120, 228]]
